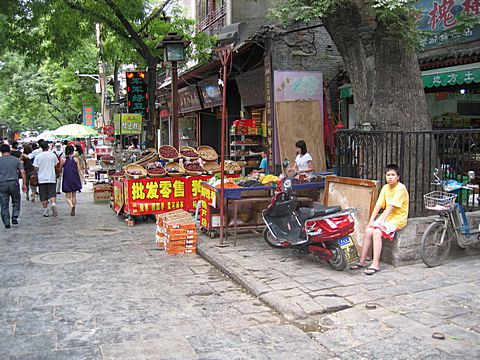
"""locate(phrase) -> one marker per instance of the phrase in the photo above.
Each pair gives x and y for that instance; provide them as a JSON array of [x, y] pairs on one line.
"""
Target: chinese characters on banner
[[437, 16], [157, 195], [137, 93], [88, 118], [208, 202]]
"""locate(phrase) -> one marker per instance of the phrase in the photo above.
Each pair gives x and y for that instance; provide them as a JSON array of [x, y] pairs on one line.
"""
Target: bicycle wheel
[[434, 249]]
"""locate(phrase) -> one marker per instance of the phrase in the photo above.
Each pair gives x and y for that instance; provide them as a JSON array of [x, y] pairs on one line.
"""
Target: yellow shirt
[[399, 199]]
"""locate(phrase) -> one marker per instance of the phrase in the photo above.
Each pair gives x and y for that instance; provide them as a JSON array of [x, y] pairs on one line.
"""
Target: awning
[[453, 75]]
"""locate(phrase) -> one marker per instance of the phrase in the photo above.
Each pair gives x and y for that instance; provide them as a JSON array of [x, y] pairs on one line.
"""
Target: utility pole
[[102, 78]]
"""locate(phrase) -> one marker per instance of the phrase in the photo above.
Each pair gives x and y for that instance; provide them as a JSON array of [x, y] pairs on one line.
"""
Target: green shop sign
[[127, 124], [453, 75]]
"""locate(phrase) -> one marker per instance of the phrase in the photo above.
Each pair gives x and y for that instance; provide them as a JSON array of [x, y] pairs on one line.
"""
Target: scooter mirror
[[471, 175], [285, 163], [287, 185], [435, 173]]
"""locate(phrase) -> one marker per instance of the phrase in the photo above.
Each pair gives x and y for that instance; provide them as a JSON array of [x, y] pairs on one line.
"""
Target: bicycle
[[451, 222]]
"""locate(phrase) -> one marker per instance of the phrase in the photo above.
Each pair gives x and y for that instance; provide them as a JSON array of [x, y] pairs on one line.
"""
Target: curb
[[257, 288]]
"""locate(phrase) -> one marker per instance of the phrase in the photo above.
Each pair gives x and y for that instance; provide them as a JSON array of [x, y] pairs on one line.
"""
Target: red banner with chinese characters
[[208, 198], [157, 195], [118, 198]]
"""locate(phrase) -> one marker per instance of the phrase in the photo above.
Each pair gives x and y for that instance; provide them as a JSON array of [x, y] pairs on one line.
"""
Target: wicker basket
[[207, 153], [188, 157], [164, 158], [211, 168], [180, 171], [135, 167], [153, 175], [231, 167]]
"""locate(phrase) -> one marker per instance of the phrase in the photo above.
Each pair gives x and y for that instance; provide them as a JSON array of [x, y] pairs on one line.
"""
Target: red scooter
[[322, 231]]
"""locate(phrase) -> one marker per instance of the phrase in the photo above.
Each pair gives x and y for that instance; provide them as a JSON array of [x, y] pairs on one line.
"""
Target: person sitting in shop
[[263, 167]]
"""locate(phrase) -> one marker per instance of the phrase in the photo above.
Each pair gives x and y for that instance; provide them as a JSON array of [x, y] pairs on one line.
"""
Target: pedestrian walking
[[71, 178], [10, 166], [45, 164], [59, 168], [33, 185], [14, 150], [81, 162], [29, 170]]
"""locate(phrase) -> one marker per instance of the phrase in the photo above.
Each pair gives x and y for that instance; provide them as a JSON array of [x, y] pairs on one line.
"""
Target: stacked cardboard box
[[176, 231], [102, 192]]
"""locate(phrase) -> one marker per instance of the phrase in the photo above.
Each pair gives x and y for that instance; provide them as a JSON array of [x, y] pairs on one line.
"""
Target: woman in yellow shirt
[[394, 201]]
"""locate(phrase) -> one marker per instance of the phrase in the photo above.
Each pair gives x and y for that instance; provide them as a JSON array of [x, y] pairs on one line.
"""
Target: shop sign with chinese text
[[157, 195], [88, 116], [137, 93], [130, 124], [440, 17]]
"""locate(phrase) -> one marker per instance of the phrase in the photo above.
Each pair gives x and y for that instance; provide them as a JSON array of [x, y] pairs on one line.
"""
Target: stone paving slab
[[411, 302], [127, 299]]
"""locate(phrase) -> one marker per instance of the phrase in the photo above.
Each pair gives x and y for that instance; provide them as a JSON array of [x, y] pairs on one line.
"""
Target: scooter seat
[[308, 213]]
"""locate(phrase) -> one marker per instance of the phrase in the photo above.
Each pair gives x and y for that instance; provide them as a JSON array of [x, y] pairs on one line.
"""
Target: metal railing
[[364, 154], [213, 21]]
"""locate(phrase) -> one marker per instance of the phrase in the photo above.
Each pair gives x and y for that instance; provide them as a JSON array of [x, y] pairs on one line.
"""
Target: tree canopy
[[51, 35]]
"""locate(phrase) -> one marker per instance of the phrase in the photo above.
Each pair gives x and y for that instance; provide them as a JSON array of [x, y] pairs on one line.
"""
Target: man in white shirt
[[45, 164]]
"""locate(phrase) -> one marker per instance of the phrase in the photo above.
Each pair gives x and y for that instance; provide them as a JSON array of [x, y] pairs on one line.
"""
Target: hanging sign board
[[88, 119], [131, 124], [189, 99]]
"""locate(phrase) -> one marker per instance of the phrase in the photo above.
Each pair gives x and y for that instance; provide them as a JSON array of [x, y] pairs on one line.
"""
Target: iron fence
[[364, 154]]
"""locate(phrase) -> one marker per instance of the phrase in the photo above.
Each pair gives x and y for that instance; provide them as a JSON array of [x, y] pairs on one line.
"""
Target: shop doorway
[[210, 130]]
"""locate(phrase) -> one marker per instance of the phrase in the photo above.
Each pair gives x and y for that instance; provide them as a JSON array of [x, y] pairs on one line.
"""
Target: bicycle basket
[[439, 201]]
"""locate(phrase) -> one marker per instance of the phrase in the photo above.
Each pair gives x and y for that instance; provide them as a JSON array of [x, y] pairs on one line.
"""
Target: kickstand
[[286, 257]]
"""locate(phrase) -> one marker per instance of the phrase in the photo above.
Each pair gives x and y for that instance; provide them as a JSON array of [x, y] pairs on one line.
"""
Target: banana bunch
[[269, 179]]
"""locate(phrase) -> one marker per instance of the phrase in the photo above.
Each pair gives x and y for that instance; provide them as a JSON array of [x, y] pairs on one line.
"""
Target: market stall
[[244, 204]]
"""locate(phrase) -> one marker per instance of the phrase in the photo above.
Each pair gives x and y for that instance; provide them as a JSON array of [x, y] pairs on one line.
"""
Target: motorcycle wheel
[[434, 252], [338, 261], [270, 239]]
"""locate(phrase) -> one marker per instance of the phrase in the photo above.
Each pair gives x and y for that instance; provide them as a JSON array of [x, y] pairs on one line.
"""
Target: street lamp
[[173, 47], [95, 77], [228, 37]]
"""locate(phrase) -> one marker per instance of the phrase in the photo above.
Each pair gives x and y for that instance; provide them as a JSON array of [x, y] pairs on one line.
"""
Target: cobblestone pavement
[[411, 303], [89, 287]]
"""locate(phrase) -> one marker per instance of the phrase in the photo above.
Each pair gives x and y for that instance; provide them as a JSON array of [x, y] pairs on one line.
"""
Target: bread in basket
[[207, 153], [211, 168]]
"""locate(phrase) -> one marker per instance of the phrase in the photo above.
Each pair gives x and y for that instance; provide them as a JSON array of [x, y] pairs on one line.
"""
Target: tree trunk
[[388, 93], [384, 73]]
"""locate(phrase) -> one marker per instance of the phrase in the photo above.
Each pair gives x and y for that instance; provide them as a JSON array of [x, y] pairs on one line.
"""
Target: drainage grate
[[60, 258]]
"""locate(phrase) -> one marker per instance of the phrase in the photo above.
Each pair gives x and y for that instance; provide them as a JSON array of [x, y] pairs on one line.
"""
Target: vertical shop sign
[[269, 112], [137, 93], [88, 119]]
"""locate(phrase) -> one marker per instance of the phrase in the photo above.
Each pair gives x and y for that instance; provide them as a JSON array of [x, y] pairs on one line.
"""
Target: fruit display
[[107, 159], [174, 169], [155, 169], [168, 152], [188, 152], [193, 166]]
